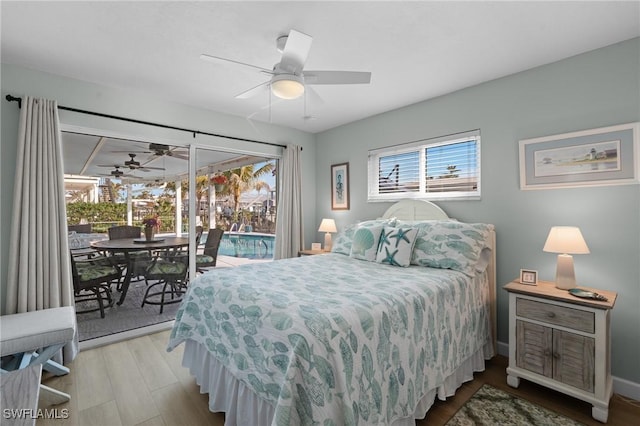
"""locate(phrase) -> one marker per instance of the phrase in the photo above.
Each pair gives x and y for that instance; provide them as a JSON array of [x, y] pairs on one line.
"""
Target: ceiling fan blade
[[147, 168], [295, 51], [337, 77], [313, 97], [253, 91], [211, 58]]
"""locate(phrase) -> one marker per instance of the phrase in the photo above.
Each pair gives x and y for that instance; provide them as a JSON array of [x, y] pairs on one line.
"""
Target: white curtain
[[289, 232], [39, 275]]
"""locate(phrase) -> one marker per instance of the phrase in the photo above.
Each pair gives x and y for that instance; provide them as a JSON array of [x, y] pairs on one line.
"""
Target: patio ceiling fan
[[116, 173], [133, 165], [160, 150], [288, 77]]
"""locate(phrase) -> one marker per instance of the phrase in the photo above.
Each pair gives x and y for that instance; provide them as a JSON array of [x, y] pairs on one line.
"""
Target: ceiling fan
[[288, 77], [133, 165], [116, 173], [159, 150]]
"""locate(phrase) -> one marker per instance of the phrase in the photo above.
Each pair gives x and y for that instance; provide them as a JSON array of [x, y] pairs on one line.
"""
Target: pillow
[[365, 243], [460, 246], [342, 242], [396, 245]]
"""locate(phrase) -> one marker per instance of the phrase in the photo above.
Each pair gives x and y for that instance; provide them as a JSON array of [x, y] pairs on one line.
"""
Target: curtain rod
[[11, 98]]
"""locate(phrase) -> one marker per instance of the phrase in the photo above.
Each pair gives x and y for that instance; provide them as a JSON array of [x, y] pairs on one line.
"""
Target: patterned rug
[[490, 406], [127, 316]]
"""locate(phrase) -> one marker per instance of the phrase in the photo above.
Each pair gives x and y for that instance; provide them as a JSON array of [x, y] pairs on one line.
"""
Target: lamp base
[[327, 242], [565, 273]]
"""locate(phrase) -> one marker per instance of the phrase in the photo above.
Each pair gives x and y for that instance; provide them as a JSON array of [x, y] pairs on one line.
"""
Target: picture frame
[[340, 186], [595, 157], [528, 277]]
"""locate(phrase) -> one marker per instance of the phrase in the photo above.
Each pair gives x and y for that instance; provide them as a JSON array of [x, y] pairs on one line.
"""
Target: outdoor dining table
[[128, 245]]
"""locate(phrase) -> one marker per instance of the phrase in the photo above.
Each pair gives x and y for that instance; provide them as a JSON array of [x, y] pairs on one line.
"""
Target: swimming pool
[[250, 245]]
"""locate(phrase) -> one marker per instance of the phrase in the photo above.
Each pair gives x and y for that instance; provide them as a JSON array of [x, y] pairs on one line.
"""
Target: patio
[[130, 318]]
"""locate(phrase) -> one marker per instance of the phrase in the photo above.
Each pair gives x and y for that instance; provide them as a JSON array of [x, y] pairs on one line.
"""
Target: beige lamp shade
[[565, 240], [327, 226]]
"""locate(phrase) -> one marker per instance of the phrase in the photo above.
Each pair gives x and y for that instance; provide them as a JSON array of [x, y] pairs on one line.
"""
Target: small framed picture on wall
[[340, 186], [527, 276]]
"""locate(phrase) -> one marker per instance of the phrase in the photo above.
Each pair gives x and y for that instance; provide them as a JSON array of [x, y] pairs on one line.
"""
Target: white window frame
[[420, 146]]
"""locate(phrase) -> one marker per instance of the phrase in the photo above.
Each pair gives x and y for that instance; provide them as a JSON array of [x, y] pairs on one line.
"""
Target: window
[[447, 167]]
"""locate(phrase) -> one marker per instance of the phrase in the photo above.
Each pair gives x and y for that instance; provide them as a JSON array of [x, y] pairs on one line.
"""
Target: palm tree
[[244, 179]]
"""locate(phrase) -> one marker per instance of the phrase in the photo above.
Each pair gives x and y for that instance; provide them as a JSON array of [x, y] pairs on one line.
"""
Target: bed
[[360, 335]]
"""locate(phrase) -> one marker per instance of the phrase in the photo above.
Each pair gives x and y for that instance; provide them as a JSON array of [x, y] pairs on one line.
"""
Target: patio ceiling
[[97, 156]]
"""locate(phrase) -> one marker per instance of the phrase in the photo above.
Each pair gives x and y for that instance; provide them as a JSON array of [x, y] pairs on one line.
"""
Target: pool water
[[250, 245]]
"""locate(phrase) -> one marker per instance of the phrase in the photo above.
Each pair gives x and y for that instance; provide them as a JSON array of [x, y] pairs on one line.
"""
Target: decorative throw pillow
[[396, 245], [365, 243], [453, 245], [343, 240]]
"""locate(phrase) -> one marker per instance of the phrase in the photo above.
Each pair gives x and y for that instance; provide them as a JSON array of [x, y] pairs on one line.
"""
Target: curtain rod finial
[[14, 99]]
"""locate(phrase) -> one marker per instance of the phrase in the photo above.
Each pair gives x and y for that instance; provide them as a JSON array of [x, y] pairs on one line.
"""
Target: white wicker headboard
[[415, 210], [426, 210]]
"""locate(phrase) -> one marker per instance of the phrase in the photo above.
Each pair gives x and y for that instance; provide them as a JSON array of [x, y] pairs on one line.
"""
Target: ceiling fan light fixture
[[287, 86]]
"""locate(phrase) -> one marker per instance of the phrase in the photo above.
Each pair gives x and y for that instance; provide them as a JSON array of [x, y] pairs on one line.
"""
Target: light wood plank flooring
[[137, 382]]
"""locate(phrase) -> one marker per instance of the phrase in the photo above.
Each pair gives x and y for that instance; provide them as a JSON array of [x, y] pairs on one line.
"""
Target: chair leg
[[96, 290]]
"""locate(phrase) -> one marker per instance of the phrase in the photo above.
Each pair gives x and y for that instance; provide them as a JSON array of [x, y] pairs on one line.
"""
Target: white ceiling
[[414, 50]]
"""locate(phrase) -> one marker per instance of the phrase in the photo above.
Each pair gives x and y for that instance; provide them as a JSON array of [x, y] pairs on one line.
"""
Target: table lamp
[[565, 240], [328, 226]]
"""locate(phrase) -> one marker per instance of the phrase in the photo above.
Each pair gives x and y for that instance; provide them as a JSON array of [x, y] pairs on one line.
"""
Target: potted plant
[[218, 181], [151, 224]]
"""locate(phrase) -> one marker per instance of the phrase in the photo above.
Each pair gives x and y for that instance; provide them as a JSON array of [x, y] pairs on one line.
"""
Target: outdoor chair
[[124, 231], [84, 228], [139, 260], [210, 253], [169, 269], [92, 281]]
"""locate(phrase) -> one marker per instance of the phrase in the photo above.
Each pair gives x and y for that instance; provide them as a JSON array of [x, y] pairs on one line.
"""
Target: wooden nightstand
[[562, 342], [311, 252]]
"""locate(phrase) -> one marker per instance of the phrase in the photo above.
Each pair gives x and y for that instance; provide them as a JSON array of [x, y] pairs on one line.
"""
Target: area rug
[[127, 316], [490, 406]]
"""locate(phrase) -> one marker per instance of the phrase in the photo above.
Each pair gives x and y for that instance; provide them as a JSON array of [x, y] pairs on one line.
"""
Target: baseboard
[[622, 387], [125, 335]]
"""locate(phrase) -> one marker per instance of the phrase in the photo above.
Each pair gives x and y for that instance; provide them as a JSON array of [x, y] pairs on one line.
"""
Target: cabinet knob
[[551, 314]]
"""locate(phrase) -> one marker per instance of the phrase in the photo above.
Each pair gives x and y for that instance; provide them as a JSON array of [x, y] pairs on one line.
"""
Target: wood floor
[[136, 382]]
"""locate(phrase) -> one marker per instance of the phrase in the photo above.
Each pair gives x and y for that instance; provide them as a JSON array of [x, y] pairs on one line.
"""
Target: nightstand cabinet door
[[573, 359], [533, 348]]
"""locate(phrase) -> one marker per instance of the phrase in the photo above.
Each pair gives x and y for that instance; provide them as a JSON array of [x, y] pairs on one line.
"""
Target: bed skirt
[[243, 407]]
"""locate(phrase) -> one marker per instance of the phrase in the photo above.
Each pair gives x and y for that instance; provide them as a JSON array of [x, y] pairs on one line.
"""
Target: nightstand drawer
[[557, 315]]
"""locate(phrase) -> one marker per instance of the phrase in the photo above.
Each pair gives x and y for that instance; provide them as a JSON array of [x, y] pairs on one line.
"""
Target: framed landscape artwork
[[340, 186], [603, 156]]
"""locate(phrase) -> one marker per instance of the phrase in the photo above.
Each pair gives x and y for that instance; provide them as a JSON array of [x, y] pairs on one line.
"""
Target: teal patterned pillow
[[343, 240], [365, 243], [396, 245], [453, 245]]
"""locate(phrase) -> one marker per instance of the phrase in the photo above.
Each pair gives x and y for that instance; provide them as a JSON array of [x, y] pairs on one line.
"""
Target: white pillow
[[364, 245], [396, 245]]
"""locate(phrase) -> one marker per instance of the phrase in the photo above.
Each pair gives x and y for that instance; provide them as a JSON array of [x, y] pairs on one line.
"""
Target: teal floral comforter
[[332, 340]]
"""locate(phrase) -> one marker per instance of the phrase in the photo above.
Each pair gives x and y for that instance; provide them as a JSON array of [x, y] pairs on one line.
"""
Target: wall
[[595, 89], [142, 106]]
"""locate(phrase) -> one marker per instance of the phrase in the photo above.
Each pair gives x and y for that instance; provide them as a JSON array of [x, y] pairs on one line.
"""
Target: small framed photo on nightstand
[[529, 277]]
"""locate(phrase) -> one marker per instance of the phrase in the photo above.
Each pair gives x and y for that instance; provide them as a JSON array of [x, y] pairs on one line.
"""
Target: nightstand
[[562, 342], [311, 252]]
